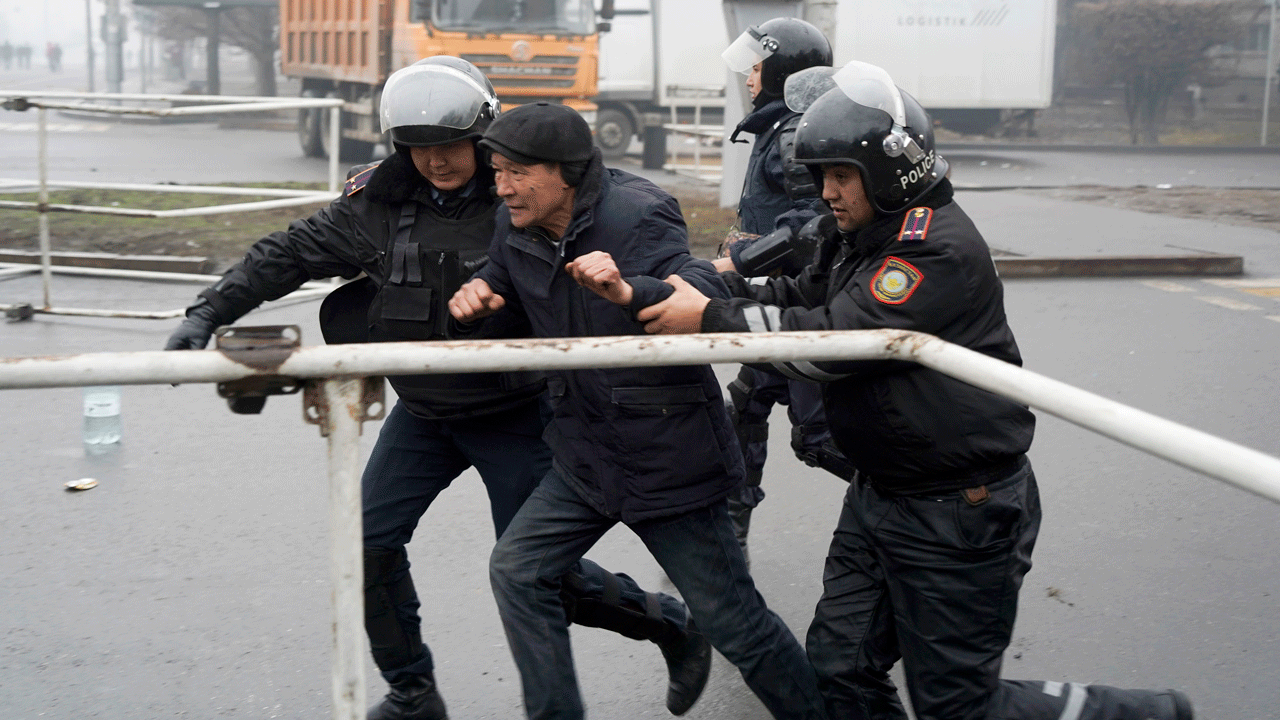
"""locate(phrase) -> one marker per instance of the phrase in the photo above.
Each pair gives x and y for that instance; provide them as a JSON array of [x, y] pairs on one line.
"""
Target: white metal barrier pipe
[[335, 146], [225, 209], [46, 254], [13, 183], [146, 97], [1246, 468], [342, 399], [149, 275]]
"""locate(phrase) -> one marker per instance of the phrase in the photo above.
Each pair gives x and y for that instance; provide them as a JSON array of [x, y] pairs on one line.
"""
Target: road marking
[[1228, 303], [1267, 292], [1167, 286], [1250, 283], [54, 127], [1274, 317]]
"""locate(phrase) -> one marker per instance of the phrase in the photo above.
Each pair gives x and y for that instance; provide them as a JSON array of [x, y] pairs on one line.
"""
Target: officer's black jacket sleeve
[[332, 242], [943, 292]]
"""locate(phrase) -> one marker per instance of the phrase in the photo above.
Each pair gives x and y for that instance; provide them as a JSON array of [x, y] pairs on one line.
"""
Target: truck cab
[[530, 49]]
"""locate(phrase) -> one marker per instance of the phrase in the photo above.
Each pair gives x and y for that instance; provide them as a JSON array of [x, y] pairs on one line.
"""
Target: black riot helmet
[[436, 101], [783, 46], [868, 122]]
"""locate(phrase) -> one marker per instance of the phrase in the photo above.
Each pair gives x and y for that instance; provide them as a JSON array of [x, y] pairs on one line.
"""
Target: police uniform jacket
[[637, 443], [776, 192], [416, 252], [911, 430]]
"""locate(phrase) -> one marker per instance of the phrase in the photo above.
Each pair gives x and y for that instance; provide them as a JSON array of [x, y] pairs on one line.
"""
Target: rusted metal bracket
[[262, 347], [316, 410]]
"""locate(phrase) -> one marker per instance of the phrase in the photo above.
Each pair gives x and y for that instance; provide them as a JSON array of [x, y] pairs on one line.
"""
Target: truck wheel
[[309, 128], [357, 151], [614, 131]]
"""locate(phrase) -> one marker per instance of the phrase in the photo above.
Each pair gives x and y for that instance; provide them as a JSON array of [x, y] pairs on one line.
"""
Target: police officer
[[777, 195], [939, 521], [418, 224]]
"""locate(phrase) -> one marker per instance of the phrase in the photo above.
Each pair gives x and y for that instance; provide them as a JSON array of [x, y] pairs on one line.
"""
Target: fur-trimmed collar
[[395, 180]]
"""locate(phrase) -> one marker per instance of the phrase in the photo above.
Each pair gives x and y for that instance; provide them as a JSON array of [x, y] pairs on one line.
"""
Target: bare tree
[[1154, 48], [254, 29]]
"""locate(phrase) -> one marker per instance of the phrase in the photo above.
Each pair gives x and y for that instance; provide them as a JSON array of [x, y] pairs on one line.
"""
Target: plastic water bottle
[[101, 418]]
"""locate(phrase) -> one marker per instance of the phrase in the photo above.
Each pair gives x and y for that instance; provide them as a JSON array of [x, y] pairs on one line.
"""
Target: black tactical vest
[[427, 259]]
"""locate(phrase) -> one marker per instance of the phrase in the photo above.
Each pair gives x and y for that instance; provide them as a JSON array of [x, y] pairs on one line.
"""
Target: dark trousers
[[933, 581], [761, 392], [702, 558], [414, 459]]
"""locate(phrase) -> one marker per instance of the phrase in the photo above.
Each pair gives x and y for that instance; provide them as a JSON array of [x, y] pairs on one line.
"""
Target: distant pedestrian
[[24, 56], [6, 54], [53, 51]]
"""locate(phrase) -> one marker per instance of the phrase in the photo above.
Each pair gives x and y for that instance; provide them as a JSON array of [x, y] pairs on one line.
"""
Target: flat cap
[[540, 132]]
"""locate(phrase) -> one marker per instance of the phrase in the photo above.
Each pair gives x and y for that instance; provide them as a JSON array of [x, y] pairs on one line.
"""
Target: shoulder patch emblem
[[896, 280], [916, 224], [357, 182]]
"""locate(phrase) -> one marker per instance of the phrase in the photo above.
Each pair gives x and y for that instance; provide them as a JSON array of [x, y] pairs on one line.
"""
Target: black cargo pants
[[934, 580]]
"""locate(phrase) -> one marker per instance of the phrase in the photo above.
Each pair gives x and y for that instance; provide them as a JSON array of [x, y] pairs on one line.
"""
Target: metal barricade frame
[[110, 103]]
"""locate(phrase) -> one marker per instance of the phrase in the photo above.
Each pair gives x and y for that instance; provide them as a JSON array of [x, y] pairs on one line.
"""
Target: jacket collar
[[761, 119], [396, 180], [869, 239]]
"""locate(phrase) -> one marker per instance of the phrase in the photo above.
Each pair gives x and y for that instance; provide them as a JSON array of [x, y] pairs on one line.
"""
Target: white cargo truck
[[970, 62], [659, 54]]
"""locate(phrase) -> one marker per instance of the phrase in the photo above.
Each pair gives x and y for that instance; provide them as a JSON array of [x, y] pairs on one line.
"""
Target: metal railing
[[114, 103], [696, 97], [339, 398]]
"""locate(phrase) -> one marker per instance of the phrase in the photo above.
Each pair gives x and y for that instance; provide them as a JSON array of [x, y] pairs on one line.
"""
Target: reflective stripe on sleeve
[[1076, 695]]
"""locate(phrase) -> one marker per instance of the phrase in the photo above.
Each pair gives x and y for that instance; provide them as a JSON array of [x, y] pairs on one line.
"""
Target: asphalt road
[[193, 581]]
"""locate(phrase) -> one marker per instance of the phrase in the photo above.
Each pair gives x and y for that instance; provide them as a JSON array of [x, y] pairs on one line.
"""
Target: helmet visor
[[870, 86], [805, 86], [432, 95], [750, 48]]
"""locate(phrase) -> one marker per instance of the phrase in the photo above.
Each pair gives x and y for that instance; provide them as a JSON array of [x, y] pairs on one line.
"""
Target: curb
[[945, 147], [1008, 267], [107, 261], [1118, 266]]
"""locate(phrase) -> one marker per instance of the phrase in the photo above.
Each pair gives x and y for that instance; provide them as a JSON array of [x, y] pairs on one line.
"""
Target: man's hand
[[196, 328], [679, 314], [597, 272], [475, 300]]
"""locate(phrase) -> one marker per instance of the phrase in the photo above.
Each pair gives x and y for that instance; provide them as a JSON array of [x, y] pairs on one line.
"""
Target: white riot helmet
[[437, 101]]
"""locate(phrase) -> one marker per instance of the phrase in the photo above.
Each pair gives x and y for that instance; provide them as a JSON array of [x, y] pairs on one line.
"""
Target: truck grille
[[481, 60]]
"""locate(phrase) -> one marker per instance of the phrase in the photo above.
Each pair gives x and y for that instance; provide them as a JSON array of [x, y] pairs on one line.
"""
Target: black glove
[[195, 331]]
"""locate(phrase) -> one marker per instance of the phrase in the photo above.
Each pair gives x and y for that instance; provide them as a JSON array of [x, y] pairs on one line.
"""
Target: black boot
[[413, 698], [688, 656], [1181, 705], [687, 652]]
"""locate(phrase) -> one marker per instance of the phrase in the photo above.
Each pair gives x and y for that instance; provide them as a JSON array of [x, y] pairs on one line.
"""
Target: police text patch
[[895, 281], [916, 224]]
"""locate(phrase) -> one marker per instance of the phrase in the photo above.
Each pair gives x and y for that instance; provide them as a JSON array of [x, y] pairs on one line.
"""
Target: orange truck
[[531, 50]]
